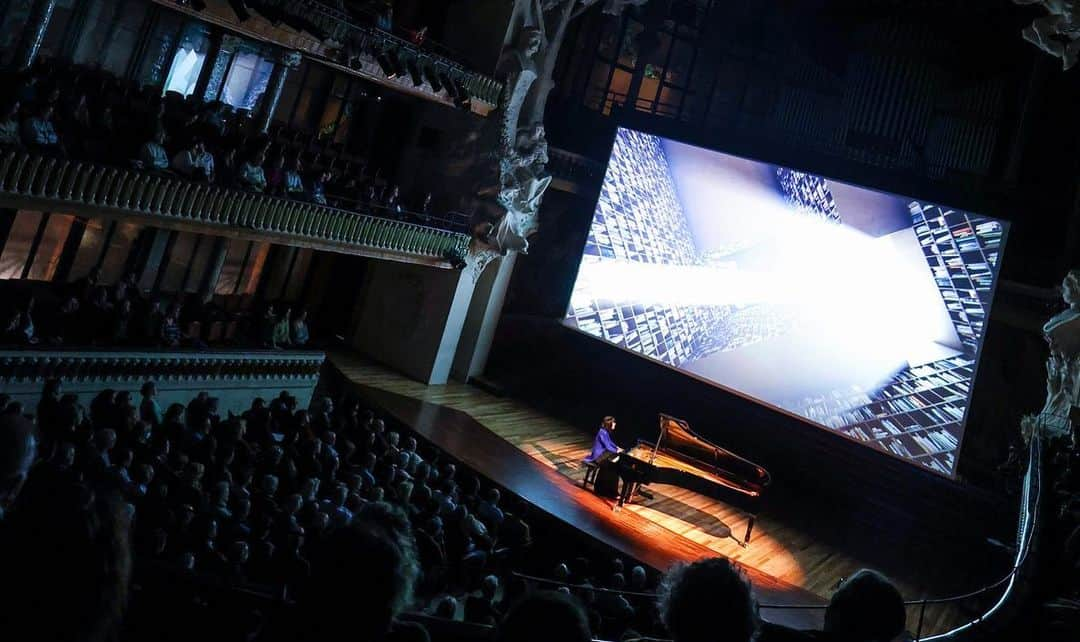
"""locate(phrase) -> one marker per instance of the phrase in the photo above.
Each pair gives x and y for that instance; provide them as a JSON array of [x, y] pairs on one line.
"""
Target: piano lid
[[676, 436]]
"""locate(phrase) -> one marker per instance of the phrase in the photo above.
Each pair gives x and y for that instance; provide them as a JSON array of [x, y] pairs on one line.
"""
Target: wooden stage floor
[[539, 458]]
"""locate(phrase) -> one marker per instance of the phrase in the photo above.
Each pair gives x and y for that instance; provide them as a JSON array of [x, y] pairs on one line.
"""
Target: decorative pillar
[[209, 63], [272, 95], [37, 23], [213, 267], [150, 262], [482, 319], [76, 29]]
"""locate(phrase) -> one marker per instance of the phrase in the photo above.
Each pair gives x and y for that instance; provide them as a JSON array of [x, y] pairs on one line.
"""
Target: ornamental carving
[[513, 152]]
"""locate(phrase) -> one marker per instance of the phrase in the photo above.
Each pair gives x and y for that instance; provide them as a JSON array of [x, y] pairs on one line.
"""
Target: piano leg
[[625, 494], [749, 527]]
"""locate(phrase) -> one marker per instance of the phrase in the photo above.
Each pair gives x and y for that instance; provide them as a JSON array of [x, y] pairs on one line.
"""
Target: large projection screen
[[859, 311]]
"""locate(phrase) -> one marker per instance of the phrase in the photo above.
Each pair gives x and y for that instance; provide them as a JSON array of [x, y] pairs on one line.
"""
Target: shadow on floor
[[568, 467], [706, 523]]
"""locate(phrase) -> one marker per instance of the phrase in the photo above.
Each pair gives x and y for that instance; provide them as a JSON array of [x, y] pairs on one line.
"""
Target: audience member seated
[[39, 132], [68, 566], [194, 162], [481, 608], [251, 176], [76, 117], [18, 447], [866, 608], [318, 187], [376, 549], [299, 334], [152, 155], [9, 125], [707, 601], [307, 501], [544, 616]]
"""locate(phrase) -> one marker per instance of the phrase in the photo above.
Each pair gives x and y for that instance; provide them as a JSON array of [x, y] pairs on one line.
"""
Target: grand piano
[[681, 458]]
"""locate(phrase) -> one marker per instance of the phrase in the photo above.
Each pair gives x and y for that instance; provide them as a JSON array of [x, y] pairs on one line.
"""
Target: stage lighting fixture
[[433, 78], [240, 8], [414, 73], [386, 63]]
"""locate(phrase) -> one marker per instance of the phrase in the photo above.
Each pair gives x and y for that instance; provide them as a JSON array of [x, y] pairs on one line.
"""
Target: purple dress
[[602, 444]]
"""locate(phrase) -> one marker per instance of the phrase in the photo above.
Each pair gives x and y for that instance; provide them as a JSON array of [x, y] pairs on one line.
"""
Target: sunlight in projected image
[[844, 286]]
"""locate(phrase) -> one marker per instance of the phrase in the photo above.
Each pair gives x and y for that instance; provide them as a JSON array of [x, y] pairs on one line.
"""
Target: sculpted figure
[[1062, 332], [1058, 34]]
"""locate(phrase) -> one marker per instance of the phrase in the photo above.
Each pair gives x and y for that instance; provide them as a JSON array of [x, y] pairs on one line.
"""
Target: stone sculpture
[[1058, 34], [512, 176], [1062, 332]]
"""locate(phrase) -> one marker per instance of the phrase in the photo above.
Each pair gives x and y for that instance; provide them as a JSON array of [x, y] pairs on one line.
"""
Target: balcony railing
[[369, 40], [53, 184], [234, 377], [333, 38]]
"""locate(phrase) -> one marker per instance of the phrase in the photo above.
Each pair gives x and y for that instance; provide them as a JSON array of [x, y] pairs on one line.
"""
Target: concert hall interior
[[530, 320]]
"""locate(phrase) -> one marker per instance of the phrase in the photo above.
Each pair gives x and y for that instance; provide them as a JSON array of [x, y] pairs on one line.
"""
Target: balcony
[[30, 181], [235, 376], [326, 34]]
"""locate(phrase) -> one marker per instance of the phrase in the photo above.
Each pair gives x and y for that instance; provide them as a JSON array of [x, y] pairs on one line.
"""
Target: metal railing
[[78, 185], [371, 41]]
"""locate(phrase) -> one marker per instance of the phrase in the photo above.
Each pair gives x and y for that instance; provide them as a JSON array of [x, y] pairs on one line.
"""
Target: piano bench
[[592, 468]]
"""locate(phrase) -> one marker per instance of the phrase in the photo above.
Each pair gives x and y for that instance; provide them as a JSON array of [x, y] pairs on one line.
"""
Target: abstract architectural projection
[[859, 311]]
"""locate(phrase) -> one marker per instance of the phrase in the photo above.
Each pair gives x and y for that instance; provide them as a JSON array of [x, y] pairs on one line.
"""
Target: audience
[[866, 608], [18, 447], [39, 132], [544, 616], [89, 313], [251, 176], [708, 601], [194, 162], [152, 155], [355, 522], [299, 331], [69, 111], [9, 125], [68, 566]]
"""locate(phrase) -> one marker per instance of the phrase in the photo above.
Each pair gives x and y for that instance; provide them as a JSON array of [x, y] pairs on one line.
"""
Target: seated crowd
[[88, 313], [336, 526], [85, 114]]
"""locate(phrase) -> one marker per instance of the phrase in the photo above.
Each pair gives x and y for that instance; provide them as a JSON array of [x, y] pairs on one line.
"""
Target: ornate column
[[213, 267], [482, 319], [209, 64], [37, 23], [272, 95]]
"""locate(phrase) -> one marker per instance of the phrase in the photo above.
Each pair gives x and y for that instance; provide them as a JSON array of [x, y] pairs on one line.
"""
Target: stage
[[538, 457]]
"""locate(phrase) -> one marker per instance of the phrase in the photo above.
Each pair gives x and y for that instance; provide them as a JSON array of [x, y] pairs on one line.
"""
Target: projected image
[[857, 310]]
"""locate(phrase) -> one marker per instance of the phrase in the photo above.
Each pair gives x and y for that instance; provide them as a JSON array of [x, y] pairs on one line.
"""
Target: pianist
[[604, 447], [603, 454]]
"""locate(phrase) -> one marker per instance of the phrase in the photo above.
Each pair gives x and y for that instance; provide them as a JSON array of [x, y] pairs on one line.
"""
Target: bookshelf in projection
[[860, 311]]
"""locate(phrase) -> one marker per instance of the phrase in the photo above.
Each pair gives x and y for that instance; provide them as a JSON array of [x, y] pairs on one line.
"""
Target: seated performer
[[603, 453]]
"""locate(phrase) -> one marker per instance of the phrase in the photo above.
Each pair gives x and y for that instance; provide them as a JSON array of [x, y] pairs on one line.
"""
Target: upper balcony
[[330, 36], [30, 181]]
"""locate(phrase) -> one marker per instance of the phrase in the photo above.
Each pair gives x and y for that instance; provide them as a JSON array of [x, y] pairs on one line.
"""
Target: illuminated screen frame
[[637, 180]]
